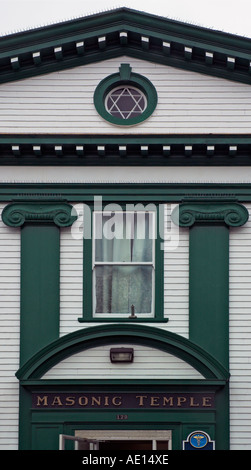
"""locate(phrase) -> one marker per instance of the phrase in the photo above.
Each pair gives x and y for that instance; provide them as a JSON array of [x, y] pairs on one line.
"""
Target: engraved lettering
[[42, 400], [116, 401], [70, 401], [83, 401], [181, 400], [141, 399], [168, 401], [106, 401], [124, 400], [96, 401], [192, 402], [57, 401], [206, 401], [154, 401]]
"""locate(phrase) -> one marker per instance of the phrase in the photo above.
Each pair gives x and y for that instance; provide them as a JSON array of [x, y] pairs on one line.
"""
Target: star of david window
[[125, 98], [125, 102]]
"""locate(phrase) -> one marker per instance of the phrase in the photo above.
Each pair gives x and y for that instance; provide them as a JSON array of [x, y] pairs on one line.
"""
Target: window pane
[[117, 288], [126, 102], [124, 237]]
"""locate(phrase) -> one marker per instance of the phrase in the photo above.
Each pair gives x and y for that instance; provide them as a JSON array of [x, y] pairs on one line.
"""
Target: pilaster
[[208, 222], [40, 222]]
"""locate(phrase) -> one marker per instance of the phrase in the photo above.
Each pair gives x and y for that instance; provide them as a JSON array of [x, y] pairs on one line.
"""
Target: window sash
[[122, 264]]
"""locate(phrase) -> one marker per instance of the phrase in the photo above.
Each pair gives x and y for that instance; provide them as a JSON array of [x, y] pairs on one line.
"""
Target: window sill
[[124, 320]]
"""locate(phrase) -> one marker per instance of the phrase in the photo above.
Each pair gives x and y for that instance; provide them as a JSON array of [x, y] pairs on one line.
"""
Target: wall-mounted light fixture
[[121, 354]]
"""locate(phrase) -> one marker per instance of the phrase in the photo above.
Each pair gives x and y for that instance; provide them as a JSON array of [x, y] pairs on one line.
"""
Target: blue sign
[[198, 440]]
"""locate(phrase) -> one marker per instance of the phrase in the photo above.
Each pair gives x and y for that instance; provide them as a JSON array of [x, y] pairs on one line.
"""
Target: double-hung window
[[123, 267], [123, 264]]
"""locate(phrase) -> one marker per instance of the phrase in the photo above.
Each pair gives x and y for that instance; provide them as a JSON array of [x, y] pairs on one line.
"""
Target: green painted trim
[[88, 316], [86, 338], [40, 221], [179, 421], [40, 212], [130, 383], [209, 224], [136, 24], [209, 289], [128, 78], [222, 429], [230, 213], [172, 139], [39, 309], [138, 150]]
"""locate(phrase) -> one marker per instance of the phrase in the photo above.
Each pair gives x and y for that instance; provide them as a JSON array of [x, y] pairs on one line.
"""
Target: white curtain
[[119, 284]]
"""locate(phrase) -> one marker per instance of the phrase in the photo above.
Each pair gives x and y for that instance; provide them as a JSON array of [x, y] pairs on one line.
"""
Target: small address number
[[122, 417]]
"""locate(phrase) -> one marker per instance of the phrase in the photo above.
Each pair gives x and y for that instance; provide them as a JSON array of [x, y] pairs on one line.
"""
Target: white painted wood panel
[[71, 281], [240, 336], [102, 174], [62, 102], [149, 363], [9, 334]]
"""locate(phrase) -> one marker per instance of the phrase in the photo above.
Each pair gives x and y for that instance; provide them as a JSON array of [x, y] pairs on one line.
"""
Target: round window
[[125, 102], [125, 98]]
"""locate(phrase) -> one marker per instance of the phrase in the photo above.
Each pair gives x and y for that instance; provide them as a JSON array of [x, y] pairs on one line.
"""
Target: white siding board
[[9, 334], [148, 363], [240, 337], [29, 174], [63, 102], [71, 281]]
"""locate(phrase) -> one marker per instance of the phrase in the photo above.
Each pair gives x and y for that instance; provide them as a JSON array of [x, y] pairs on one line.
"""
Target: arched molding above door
[[87, 338]]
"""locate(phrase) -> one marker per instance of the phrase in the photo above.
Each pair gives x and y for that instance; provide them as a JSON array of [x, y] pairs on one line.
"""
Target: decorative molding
[[18, 213], [93, 336], [126, 150], [121, 32], [154, 192], [125, 76], [230, 213]]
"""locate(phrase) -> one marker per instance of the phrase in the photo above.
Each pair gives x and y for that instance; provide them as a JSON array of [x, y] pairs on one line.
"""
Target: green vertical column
[[209, 289], [40, 224], [39, 287], [208, 224]]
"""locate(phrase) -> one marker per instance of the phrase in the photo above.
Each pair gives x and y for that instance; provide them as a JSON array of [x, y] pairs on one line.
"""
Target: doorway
[[119, 440]]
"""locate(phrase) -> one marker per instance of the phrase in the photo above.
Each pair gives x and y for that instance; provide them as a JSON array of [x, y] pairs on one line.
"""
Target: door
[[118, 440]]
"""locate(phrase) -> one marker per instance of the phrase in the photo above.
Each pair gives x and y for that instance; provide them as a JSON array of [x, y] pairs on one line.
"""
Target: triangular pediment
[[122, 32]]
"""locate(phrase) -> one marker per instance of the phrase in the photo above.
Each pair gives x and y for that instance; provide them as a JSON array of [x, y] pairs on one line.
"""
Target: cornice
[[125, 150], [17, 214], [222, 211], [124, 32]]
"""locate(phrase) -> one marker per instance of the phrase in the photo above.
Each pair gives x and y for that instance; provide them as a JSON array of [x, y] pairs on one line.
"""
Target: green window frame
[[157, 314], [125, 77]]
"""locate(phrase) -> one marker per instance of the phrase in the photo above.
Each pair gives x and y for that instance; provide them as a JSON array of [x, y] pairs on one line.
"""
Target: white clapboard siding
[[240, 336], [176, 273], [188, 102], [176, 276], [149, 363], [9, 334], [71, 281], [140, 174]]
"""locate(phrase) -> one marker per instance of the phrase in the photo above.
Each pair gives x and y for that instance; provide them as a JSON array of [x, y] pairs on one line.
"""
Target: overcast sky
[[224, 15]]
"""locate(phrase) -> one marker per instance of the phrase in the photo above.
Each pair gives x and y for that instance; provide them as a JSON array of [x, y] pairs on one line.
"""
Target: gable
[[124, 32], [50, 75], [63, 102]]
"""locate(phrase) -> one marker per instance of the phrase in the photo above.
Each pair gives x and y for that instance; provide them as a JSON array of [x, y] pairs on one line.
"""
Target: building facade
[[125, 237]]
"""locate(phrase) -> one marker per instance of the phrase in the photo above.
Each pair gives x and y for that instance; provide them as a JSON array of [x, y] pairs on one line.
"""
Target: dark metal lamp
[[121, 354]]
